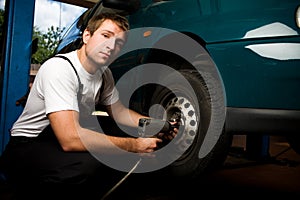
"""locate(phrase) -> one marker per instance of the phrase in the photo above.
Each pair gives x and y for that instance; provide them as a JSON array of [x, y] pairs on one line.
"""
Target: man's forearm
[[100, 142], [129, 118], [124, 116], [96, 142]]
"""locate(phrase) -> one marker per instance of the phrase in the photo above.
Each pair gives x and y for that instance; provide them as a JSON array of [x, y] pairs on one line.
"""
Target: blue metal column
[[16, 66]]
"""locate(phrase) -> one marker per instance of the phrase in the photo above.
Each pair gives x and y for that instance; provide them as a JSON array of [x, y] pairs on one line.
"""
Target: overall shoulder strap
[[79, 82], [100, 92]]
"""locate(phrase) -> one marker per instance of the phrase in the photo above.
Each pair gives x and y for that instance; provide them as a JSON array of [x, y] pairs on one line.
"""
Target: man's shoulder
[[55, 65], [70, 55]]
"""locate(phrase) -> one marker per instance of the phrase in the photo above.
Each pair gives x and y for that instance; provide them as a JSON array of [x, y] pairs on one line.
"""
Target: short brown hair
[[96, 21]]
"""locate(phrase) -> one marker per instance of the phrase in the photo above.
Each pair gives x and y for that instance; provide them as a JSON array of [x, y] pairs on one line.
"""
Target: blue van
[[222, 67]]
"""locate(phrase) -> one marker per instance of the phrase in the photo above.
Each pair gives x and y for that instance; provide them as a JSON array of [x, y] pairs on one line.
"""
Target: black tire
[[199, 111]]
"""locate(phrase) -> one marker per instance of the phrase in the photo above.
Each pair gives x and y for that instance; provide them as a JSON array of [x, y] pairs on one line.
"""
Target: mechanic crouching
[[47, 155]]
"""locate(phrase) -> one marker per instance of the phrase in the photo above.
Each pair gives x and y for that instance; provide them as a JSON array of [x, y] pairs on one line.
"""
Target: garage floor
[[277, 175]]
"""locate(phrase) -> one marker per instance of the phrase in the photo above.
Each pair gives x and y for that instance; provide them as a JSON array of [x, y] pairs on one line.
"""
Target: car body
[[240, 60]]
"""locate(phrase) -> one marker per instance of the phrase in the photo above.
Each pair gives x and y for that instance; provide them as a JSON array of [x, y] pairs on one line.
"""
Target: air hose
[[122, 180]]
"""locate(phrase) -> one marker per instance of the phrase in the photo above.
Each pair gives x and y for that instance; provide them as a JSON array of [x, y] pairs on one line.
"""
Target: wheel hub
[[188, 120]]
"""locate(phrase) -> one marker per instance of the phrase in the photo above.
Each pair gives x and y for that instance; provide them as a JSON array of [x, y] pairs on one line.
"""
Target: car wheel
[[195, 117]]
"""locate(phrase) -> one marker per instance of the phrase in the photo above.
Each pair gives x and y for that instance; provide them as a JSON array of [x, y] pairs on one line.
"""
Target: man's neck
[[90, 67]]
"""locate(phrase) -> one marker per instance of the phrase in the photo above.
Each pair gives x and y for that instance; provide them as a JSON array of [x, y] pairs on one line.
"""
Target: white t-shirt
[[55, 89]]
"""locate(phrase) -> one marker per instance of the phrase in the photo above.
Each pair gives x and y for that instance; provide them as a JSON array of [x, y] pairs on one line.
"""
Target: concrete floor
[[277, 175]]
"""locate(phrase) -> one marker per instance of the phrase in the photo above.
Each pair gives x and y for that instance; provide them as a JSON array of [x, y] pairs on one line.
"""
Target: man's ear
[[86, 36]]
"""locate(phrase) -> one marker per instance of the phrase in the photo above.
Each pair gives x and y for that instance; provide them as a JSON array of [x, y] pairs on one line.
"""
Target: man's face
[[106, 42]]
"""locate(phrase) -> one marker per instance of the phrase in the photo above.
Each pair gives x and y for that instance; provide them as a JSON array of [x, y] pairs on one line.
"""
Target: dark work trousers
[[38, 168]]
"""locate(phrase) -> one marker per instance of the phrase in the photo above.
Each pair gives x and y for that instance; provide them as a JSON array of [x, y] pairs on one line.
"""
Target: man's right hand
[[147, 145]]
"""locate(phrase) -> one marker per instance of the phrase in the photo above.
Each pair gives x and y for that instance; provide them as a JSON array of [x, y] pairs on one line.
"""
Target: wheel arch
[[178, 63]]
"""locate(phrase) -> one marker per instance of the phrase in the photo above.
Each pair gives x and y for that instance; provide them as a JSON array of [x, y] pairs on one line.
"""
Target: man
[[49, 147]]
